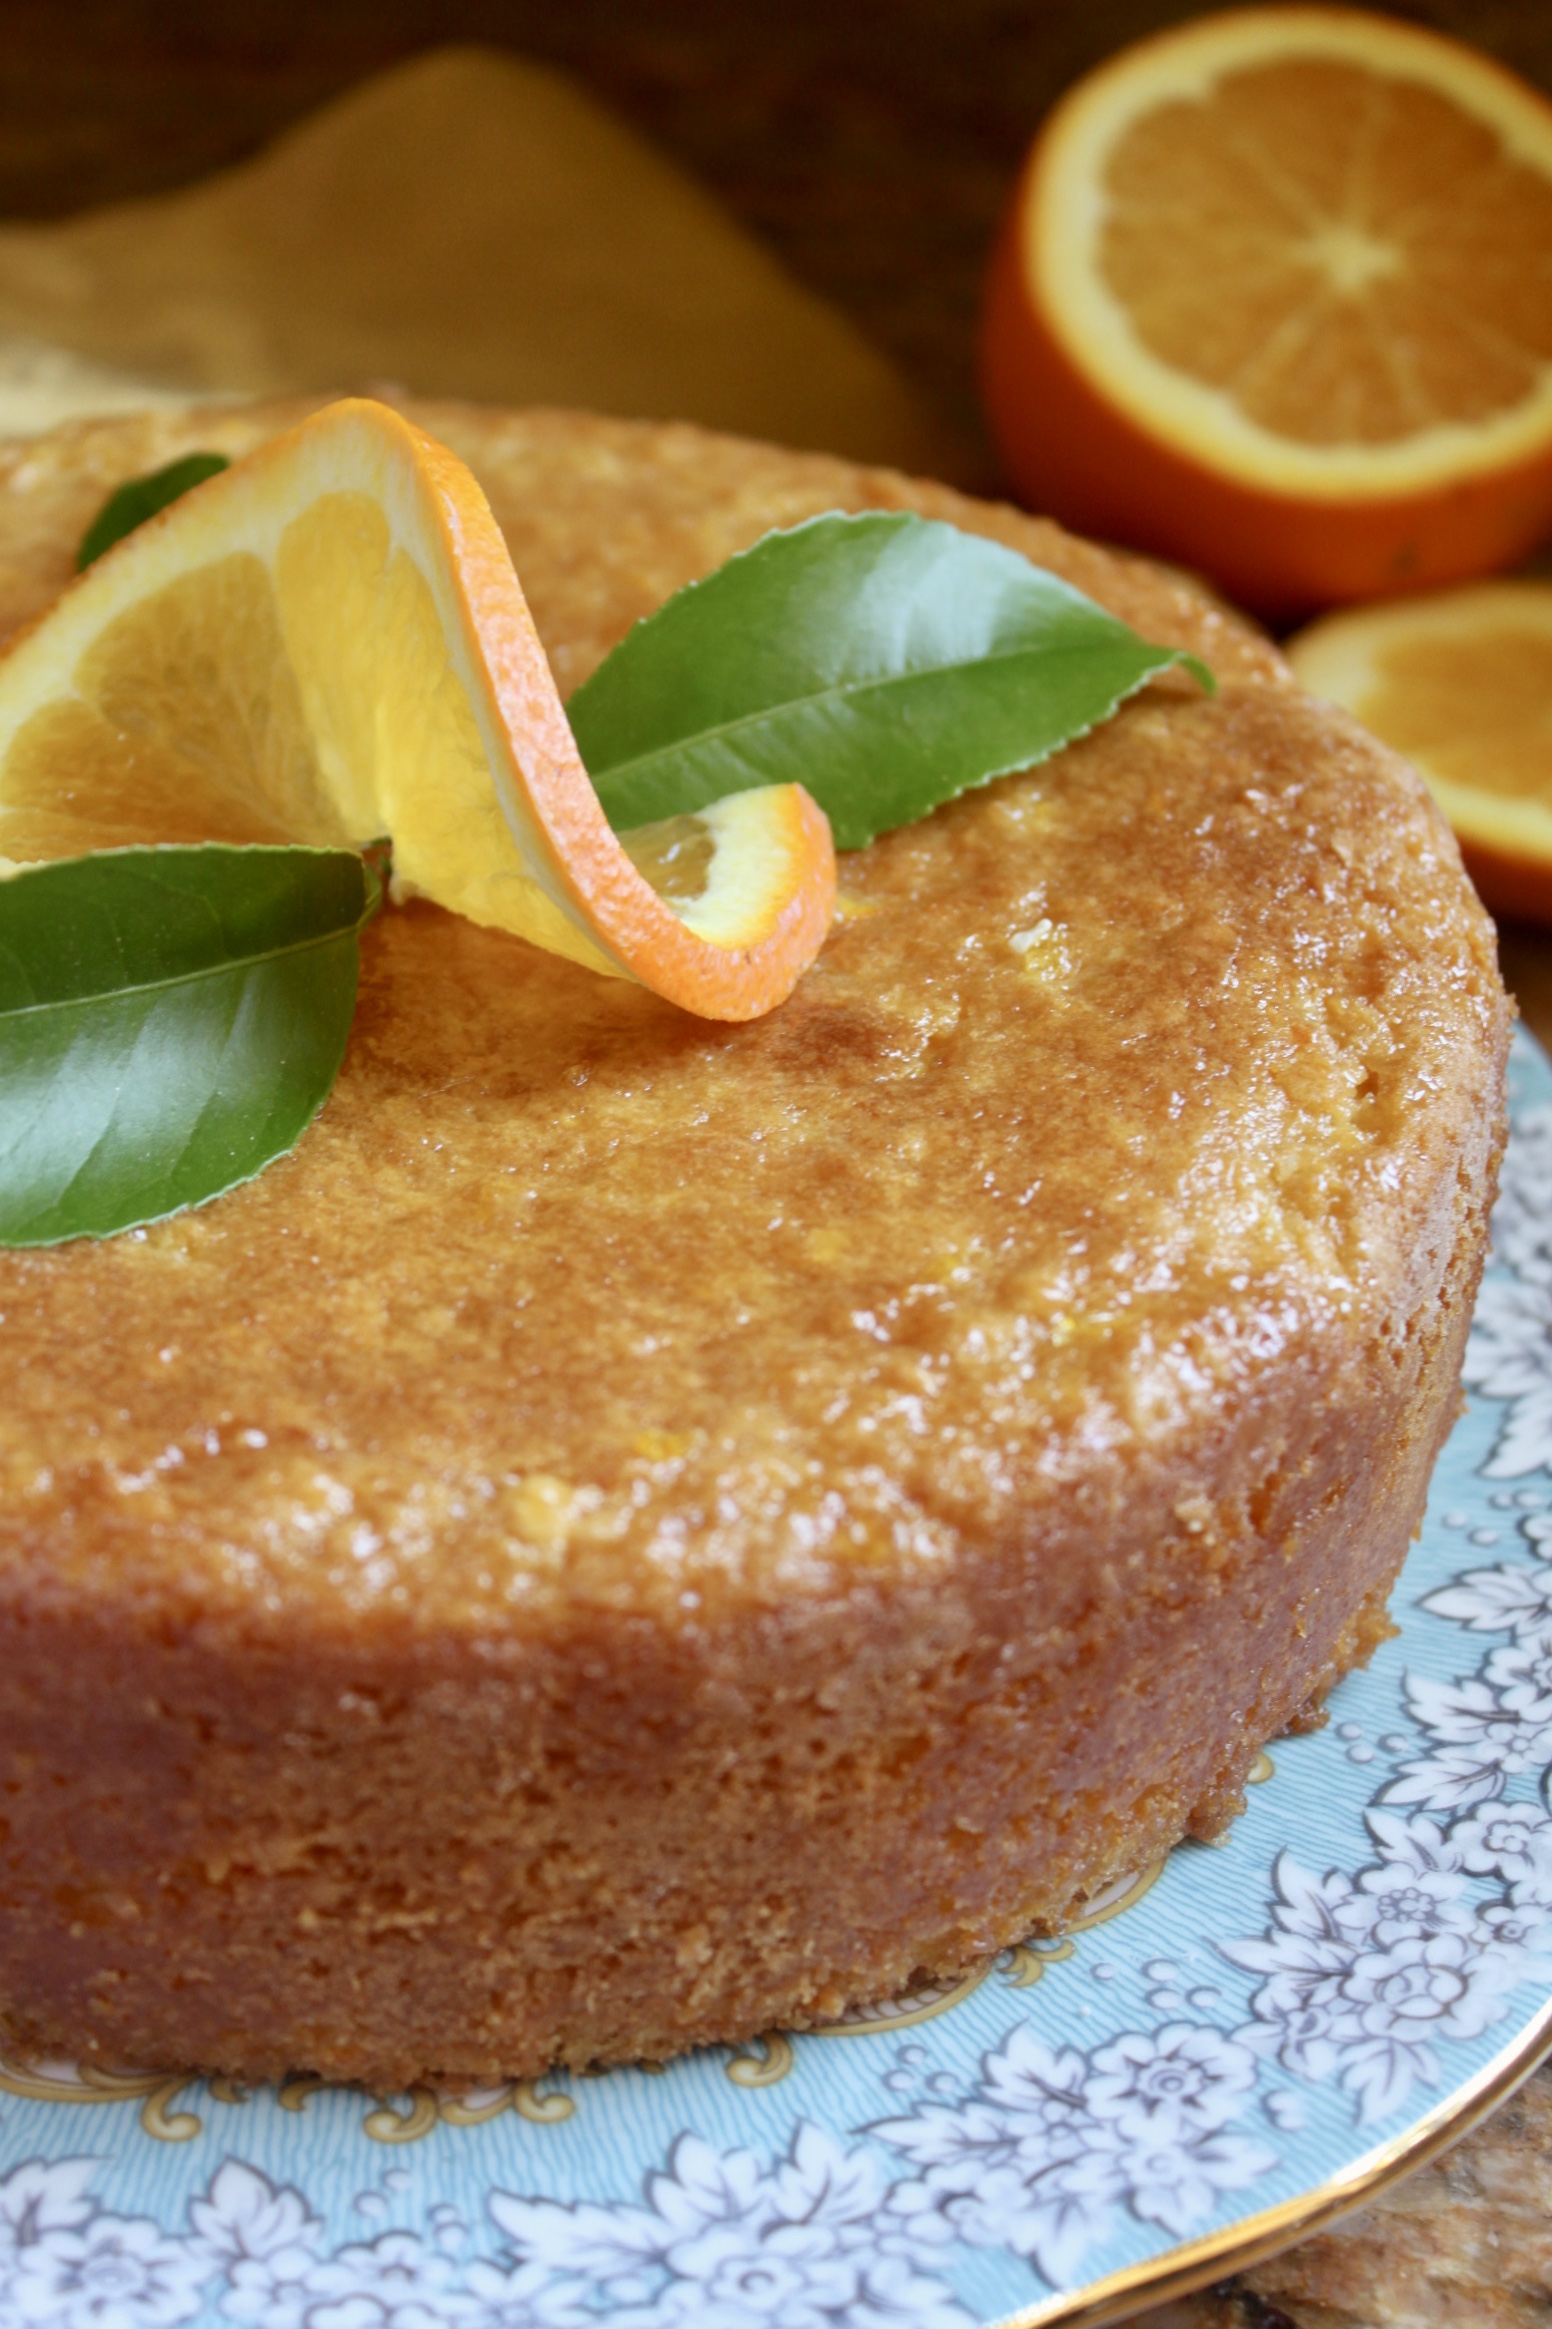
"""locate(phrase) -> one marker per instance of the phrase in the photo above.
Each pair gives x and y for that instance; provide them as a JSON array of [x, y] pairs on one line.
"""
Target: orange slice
[[328, 644], [1461, 682], [1275, 297]]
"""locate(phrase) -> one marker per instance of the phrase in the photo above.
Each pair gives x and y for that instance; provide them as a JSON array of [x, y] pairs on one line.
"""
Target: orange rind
[[1461, 682], [328, 644], [1273, 299]]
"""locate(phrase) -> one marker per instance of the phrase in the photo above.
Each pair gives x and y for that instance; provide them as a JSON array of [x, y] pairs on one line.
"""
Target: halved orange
[[1461, 682], [328, 644], [1274, 297]]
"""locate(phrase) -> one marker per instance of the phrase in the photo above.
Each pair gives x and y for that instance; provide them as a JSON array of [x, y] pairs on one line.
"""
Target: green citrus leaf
[[887, 662], [130, 505], [170, 1021]]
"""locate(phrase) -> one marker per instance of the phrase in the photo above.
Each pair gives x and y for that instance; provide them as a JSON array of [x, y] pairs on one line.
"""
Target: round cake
[[642, 1531]]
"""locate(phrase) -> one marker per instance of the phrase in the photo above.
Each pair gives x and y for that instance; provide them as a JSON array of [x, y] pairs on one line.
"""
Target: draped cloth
[[467, 224]]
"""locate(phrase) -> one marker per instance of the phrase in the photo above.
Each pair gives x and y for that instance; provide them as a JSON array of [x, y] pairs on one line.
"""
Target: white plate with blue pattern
[[1238, 2042]]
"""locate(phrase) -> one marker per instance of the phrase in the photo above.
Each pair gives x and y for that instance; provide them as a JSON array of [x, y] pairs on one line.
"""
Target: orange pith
[[1461, 682], [328, 643], [1275, 297]]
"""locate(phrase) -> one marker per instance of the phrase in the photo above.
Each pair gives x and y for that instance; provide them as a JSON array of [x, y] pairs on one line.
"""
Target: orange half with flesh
[[1461, 682], [1274, 297]]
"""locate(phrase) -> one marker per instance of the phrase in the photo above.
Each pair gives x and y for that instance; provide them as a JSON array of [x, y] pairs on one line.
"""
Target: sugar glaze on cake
[[639, 1531]]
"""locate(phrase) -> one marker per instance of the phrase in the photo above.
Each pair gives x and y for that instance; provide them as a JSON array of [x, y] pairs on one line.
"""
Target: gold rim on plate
[[1198, 2263]]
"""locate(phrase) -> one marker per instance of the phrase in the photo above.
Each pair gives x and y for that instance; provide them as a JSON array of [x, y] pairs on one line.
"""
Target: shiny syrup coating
[[1102, 1091], [854, 1481]]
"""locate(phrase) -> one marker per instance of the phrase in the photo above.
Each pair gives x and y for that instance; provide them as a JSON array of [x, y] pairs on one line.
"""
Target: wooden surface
[[872, 143], [1526, 955]]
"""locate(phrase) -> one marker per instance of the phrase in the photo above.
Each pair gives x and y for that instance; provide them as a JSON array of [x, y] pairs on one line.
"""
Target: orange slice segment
[[1275, 297], [328, 644], [1461, 682]]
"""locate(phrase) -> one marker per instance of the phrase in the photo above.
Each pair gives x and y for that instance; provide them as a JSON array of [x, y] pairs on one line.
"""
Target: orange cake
[[640, 1531]]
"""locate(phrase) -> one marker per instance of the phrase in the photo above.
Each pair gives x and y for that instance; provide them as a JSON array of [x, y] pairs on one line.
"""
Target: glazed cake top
[[1123, 1099]]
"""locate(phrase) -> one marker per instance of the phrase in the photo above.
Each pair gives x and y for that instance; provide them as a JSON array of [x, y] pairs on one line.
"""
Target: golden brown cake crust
[[641, 1530]]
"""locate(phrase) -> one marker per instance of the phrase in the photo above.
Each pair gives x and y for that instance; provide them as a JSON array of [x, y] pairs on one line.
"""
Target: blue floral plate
[[1236, 2044]]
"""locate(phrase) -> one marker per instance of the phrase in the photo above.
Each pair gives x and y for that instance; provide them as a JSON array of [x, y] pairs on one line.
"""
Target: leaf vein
[[849, 690], [183, 978]]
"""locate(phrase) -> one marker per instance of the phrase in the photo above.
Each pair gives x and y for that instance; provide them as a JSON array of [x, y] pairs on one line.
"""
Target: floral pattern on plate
[[1256, 2024]]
